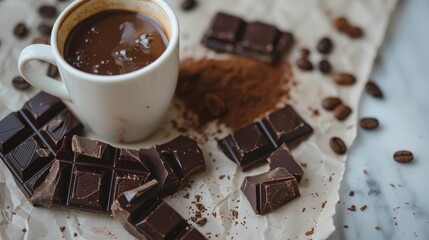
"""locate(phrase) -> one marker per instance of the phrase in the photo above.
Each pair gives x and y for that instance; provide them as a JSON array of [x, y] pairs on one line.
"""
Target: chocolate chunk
[[253, 143], [224, 32], [341, 112], [261, 41], [325, 66], [188, 5], [92, 151], [48, 11], [52, 71], [373, 90], [20, 30], [20, 83], [342, 78], [304, 64], [283, 158], [144, 216], [369, 123], [25, 148], [337, 145], [173, 162], [403, 156], [330, 103], [269, 191], [45, 29], [325, 45]]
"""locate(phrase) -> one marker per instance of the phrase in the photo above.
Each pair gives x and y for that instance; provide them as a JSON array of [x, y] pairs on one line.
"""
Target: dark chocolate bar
[[283, 158], [257, 40], [145, 216], [253, 143], [268, 191], [30, 137], [89, 175]]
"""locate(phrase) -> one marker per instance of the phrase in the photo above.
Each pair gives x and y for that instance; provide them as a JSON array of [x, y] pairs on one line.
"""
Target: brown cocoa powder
[[234, 91]]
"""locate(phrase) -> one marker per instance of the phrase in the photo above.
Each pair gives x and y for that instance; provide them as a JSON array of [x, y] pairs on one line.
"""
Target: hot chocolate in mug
[[125, 107]]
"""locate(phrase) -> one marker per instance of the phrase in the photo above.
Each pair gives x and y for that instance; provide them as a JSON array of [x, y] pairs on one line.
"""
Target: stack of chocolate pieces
[[261, 41], [264, 140]]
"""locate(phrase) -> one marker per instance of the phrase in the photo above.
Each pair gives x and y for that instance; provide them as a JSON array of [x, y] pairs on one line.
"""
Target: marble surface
[[396, 194]]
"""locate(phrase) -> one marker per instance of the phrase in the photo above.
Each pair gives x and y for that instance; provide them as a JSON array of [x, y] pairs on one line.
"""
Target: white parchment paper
[[309, 20]]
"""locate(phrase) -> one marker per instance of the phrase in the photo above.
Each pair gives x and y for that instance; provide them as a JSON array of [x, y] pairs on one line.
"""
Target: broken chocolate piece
[[30, 137], [253, 143], [144, 216], [268, 191], [283, 158]]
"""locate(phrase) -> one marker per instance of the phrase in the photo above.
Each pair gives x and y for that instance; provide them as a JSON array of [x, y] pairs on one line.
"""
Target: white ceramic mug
[[119, 108]]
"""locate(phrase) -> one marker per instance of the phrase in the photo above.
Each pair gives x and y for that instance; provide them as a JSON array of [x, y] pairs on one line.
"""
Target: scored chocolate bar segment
[[89, 175], [258, 40], [282, 157], [173, 162], [253, 143], [268, 191], [30, 137], [145, 216]]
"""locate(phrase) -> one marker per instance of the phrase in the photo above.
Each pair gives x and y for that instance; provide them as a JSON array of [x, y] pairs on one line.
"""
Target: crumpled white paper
[[309, 20]]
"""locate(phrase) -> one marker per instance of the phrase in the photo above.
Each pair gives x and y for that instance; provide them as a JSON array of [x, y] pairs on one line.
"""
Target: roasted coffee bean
[[369, 123], [45, 29], [20, 83], [354, 32], [48, 11], [373, 89], [20, 30], [214, 105], [304, 64], [52, 71], [341, 24], [325, 66], [338, 146], [305, 52], [403, 156], [342, 78], [325, 45], [41, 40], [341, 112], [188, 5], [330, 103]]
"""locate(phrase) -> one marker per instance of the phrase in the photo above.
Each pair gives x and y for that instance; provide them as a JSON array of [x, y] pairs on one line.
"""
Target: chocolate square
[[41, 108], [13, 130], [92, 151], [130, 159], [125, 181], [282, 157]]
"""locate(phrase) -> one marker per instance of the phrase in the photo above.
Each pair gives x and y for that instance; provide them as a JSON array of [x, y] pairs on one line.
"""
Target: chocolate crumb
[[24, 230], [303, 210], [62, 228], [201, 207], [309, 232], [74, 234], [201, 222], [346, 226], [198, 198], [186, 196], [234, 214], [351, 193], [363, 208], [221, 177], [352, 208], [377, 228], [323, 204]]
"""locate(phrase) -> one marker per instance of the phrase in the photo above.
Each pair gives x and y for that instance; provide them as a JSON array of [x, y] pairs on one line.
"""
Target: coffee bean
[[304, 64], [45, 29], [338, 146], [341, 112], [20, 30], [20, 83], [305, 52], [40, 40], [188, 5], [403, 156], [325, 66], [330, 103], [373, 89], [354, 32], [48, 11], [215, 106], [52, 71], [341, 24], [369, 123], [342, 78], [325, 45]]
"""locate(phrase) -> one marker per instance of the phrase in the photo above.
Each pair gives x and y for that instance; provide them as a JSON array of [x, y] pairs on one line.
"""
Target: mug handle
[[44, 53]]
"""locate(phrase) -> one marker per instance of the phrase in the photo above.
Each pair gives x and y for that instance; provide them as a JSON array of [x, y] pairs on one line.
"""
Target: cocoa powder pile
[[234, 91]]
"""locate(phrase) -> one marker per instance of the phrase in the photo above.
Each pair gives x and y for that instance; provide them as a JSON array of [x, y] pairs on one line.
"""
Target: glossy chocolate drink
[[115, 42]]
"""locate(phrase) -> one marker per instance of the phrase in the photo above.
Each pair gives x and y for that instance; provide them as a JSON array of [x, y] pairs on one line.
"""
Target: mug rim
[[173, 42]]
